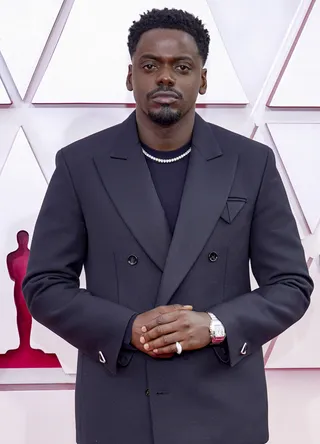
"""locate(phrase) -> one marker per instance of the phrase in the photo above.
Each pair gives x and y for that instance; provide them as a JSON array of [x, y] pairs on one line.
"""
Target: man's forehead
[[167, 43]]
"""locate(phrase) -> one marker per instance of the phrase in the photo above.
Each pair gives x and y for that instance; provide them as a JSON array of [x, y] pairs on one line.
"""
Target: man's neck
[[165, 138]]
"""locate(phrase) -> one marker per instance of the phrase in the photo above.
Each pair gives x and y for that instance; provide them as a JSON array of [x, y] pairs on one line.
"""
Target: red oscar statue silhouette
[[24, 356]]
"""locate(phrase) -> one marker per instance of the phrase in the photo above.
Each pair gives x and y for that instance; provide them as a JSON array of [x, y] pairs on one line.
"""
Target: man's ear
[[129, 79], [203, 86]]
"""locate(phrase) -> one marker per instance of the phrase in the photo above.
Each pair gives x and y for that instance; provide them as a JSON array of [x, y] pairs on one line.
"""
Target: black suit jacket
[[101, 207]]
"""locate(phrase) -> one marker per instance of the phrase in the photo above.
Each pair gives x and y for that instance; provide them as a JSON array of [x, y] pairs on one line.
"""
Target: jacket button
[[212, 256], [147, 392], [132, 260], [123, 360]]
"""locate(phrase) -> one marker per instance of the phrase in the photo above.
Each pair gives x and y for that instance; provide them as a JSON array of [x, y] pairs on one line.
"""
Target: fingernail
[[155, 350], [142, 340], [144, 329], [189, 307], [146, 346]]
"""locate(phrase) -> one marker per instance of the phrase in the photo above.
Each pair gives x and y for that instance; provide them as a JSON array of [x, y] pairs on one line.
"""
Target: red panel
[[24, 356]]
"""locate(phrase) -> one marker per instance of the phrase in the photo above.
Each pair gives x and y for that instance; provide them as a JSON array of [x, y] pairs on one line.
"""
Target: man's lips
[[165, 97]]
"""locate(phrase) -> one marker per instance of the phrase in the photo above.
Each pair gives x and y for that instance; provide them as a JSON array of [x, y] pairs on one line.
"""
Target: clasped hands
[[156, 332]]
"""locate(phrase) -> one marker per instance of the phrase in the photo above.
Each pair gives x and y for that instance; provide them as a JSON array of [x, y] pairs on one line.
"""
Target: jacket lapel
[[127, 180], [208, 183]]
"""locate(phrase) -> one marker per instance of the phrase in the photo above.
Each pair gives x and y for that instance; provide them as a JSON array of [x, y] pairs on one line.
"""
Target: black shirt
[[169, 179]]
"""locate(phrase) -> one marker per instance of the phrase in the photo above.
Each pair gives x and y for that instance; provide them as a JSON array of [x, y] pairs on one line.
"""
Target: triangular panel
[[244, 26], [44, 339], [90, 62], [4, 98], [298, 146], [8, 132], [299, 83], [62, 126], [262, 135], [22, 187], [298, 347], [24, 29], [236, 119]]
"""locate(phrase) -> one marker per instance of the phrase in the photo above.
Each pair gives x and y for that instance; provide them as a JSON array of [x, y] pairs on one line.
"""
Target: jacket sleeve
[[279, 266], [90, 323]]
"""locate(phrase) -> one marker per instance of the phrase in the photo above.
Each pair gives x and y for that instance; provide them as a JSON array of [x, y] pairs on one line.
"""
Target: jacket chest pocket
[[233, 207]]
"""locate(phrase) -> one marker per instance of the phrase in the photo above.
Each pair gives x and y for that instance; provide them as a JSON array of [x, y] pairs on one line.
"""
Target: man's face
[[166, 75]]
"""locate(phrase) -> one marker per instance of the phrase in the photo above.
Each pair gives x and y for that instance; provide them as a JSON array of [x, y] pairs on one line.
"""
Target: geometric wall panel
[[238, 21], [234, 119], [288, 391], [298, 147], [44, 339], [24, 29], [299, 85], [22, 187], [4, 98], [311, 245], [91, 60], [8, 132], [62, 126], [262, 135], [40, 416], [298, 347]]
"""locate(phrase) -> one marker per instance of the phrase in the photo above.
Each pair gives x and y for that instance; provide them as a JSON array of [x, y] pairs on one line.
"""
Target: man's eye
[[183, 68], [148, 66]]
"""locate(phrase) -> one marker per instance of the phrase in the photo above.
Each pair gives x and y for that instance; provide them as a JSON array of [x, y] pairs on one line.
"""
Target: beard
[[165, 116]]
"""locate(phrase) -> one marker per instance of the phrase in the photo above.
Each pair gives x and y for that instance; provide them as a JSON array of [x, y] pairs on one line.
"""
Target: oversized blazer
[[101, 211]]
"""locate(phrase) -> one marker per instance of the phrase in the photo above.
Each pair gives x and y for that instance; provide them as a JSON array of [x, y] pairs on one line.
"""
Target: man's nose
[[165, 77]]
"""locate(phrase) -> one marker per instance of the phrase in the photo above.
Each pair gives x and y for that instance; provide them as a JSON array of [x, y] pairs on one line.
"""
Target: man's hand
[[190, 328], [146, 318]]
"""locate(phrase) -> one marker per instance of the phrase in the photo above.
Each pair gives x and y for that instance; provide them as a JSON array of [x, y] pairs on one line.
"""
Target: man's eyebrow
[[155, 57]]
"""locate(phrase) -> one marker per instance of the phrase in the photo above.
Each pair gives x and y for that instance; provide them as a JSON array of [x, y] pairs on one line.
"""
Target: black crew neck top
[[169, 179]]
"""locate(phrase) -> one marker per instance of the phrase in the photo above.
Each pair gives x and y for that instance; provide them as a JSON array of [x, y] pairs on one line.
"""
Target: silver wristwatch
[[217, 330]]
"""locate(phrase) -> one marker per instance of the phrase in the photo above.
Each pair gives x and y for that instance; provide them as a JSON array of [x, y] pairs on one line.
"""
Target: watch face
[[219, 332]]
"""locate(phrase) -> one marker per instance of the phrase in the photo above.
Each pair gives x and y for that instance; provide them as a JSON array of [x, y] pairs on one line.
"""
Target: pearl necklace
[[173, 159]]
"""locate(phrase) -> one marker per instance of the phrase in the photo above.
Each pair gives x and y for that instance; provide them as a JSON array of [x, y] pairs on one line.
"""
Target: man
[[165, 211]]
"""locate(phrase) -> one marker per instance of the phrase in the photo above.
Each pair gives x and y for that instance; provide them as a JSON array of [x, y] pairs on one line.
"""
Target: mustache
[[164, 89]]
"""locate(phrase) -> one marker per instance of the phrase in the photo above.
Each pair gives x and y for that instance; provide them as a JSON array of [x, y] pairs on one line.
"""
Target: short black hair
[[170, 19]]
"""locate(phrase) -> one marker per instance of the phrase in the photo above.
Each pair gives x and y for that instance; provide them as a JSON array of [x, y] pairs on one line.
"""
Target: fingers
[[157, 332], [163, 342], [169, 308], [160, 334], [168, 349], [165, 318]]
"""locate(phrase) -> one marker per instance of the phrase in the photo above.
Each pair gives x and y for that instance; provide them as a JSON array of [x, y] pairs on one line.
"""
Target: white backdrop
[[62, 76]]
